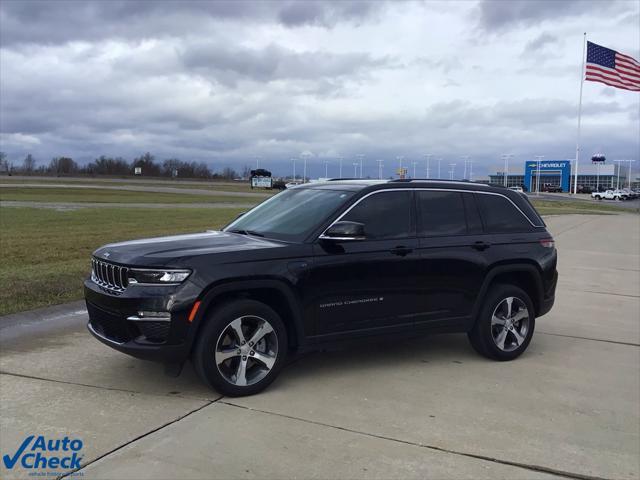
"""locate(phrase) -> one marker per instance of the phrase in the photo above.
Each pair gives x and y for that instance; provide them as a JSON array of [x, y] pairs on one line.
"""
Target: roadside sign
[[261, 182]]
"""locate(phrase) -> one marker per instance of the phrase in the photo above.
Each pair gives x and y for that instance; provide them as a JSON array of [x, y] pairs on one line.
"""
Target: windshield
[[291, 215]]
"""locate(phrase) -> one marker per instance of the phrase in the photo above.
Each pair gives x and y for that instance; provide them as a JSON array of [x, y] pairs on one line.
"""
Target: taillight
[[548, 243]]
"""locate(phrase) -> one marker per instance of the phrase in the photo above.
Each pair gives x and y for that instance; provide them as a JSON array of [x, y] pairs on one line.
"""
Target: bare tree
[[28, 164], [62, 166]]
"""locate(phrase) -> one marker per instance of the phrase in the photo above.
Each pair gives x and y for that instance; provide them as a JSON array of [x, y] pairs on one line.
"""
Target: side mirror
[[344, 231]]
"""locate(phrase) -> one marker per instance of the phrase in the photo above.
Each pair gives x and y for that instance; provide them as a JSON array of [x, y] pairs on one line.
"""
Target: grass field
[[81, 195], [44, 253]]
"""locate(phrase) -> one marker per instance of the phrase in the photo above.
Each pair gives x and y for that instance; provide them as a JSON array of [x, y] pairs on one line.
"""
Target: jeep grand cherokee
[[326, 262]]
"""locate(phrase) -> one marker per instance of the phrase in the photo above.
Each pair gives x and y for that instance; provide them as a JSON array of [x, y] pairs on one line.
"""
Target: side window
[[474, 221], [385, 215], [441, 213], [500, 215]]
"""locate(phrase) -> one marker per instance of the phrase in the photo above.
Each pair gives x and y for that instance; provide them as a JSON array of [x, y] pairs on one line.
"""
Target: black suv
[[327, 262]]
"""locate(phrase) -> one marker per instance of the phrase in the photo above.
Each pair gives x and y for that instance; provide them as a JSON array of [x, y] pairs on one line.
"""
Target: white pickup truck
[[609, 195]]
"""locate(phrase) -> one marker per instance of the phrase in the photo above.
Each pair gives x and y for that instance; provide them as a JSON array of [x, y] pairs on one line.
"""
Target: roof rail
[[439, 180]]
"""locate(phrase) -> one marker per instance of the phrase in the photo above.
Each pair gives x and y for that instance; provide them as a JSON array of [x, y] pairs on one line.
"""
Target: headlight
[[158, 276]]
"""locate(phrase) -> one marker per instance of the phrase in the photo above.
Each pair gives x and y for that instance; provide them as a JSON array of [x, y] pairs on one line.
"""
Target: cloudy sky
[[227, 81]]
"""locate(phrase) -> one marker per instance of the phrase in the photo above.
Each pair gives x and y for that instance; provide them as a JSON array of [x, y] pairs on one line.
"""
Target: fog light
[[144, 316]]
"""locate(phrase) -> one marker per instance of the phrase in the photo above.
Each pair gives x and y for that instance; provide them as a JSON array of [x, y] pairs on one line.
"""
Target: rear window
[[500, 215], [441, 213]]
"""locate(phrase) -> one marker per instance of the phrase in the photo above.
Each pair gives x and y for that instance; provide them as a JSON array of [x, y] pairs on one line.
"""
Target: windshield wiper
[[247, 232]]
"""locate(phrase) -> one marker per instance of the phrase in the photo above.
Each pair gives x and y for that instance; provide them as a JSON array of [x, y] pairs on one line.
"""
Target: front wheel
[[505, 324], [241, 349]]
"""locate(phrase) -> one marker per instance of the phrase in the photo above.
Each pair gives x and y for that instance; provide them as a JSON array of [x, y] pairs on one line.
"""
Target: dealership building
[[559, 173]]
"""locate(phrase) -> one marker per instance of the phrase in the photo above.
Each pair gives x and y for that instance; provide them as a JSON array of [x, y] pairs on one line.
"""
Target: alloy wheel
[[246, 350], [510, 324]]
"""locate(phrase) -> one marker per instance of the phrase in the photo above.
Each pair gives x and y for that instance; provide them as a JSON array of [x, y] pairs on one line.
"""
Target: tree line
[[118, 166]]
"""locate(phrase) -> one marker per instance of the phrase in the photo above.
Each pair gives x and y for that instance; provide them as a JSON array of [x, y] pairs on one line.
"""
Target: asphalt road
[[426, 407], [630, 204]]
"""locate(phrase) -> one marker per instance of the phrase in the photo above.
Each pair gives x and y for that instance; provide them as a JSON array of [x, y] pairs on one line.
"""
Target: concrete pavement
[[425, 407]]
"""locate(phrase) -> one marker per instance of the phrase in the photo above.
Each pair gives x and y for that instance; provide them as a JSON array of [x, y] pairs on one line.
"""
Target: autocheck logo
[[38, 452]]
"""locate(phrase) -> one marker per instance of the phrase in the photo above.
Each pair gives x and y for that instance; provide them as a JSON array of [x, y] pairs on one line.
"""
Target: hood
[[168, 251]]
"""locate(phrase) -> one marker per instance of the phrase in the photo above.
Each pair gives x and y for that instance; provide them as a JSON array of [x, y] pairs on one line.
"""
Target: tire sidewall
[[204, 354], [483, 324]]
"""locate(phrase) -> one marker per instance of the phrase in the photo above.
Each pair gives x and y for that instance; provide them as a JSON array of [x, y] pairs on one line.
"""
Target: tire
[[235, 368], [488, 330]]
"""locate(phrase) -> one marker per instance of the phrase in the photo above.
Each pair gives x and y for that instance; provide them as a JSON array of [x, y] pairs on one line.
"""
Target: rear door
[[453, 256]]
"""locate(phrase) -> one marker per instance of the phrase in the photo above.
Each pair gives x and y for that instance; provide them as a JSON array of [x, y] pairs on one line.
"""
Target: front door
[[368, 284]]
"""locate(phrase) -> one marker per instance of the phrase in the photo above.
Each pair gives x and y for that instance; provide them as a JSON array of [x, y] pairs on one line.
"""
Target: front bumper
[[163, 340]]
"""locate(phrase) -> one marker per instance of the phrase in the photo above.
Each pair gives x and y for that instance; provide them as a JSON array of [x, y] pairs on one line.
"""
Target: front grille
[[108, 325], [109, 276]]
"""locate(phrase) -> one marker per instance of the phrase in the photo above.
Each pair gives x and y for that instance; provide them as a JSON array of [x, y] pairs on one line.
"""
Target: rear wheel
[[241, 349], [505, 324]]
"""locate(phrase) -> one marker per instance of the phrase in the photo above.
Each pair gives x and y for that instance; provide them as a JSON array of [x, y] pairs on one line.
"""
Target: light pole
[[340, 159], [294, 169], [506, 157], [439, 160], [355, 169], [414, 168], [326, 169], [629, 172], [464, 158], [618, 180], [451, 172], [471, 170], [539, 158], [360, 156], [380, 162], [305, 156], [257, 162], [428, 172]]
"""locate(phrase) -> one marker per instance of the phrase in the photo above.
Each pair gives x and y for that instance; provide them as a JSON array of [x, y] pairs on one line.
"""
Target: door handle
[[401, 251], [480, 245]]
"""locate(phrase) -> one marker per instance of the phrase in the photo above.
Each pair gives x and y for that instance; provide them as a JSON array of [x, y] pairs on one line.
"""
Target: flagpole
[[575, 172]]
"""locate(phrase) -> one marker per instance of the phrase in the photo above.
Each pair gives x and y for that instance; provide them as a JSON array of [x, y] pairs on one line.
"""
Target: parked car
[[549, 187], [278, 185], [324, 263], [609, 195]]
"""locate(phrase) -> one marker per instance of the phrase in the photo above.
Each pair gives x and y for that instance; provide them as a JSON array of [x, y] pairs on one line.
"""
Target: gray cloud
[[60, 21], [499, 14], [228, 64], [225, 81], [540, 42]]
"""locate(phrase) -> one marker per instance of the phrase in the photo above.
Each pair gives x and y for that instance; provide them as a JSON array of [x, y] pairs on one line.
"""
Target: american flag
[[612, 68]]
